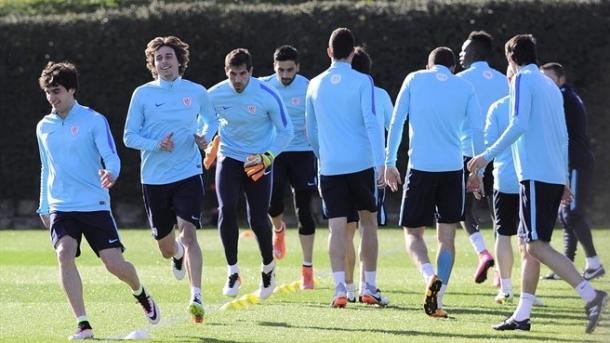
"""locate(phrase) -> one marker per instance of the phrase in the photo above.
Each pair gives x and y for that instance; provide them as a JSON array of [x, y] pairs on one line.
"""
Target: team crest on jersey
[[252, 109], [441, 77], [187, 101], [295, 101], [74, 131], [487, 74], [335, 79]]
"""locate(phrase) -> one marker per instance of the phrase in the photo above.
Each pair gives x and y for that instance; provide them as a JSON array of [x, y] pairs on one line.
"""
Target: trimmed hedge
[[108, 48]]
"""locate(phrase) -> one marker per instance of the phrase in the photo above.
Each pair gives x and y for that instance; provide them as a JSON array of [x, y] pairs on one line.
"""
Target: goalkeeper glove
[[210, 152], [255, 165]]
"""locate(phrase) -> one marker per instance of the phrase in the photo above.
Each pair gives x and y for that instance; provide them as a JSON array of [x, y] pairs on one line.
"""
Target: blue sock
[[444, 263]]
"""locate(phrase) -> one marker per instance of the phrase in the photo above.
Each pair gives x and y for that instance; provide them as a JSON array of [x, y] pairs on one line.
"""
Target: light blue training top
[[71, 155], [293, 96], [489, 85], [251, 122], [159, 108], [342, 125], [537, 129], [439, 107], [505, 176]]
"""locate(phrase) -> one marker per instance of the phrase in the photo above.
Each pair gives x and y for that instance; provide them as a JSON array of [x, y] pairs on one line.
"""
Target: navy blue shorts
[[295, 168], [538, 206], [506, 213], [164, 203], [345, 193], [98, 227], [430, 194], [352, 217]]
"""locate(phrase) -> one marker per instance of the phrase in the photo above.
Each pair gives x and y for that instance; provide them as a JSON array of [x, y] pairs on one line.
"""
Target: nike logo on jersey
[[225, 107], [159, 104], [267, 172], [311, 183], [194, 217], [113, 240]]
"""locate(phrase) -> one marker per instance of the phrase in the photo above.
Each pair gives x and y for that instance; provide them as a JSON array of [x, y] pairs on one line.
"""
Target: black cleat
[[594, 310], [551, 276], [430, 301], [511, 324], [151, 310]]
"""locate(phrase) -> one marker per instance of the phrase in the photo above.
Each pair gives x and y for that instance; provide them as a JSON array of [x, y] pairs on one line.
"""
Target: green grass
[[34, 308]]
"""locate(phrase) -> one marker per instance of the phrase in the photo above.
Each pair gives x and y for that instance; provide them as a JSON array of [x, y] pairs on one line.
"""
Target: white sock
[[586, 291], [232, 269], [350, 287], [339, 278], [371, 279], [196, 292], [506, 285], [137, 291], [427, 271], [179, 251], [524, 309], [440, 295], [81, 319], [307, 264], [592, 262], [477, 242], [268, 267]]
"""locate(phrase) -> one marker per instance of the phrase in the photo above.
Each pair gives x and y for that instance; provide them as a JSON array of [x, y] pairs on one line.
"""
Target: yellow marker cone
[[253, 298]]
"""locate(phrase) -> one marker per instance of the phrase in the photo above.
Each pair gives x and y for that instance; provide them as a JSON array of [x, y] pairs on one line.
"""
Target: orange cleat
[[339, 301], [439, 313], [307, 277], [279, 245]]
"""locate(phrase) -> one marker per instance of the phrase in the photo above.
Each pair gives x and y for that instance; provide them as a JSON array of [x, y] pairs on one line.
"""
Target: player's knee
[[65, 255], [113, 265], [307, 230]]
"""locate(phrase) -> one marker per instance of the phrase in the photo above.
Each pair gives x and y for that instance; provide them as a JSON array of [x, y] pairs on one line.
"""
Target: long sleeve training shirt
[[159, 108], [71, 153], [341, 122], [250, 122]]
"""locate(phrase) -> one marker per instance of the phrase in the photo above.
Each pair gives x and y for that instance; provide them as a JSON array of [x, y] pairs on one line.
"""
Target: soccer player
[[505, 195], [343, 131], [169, 120], [580, 161], [539, 139], [362, 62], [79, 163], [489, 85], [296, 165], [254, 128], [439, 107]]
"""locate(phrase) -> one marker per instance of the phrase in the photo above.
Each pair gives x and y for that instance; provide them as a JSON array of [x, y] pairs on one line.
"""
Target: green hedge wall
[[108, 48]]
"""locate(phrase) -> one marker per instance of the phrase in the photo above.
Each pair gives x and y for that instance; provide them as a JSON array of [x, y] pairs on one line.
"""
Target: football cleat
[[267, 284], [486, 261], [373, 296], [593, 273], [340, 298], [551, 276], [231, 287], [196, 310], [83, 331], [279, 244], [307, 277], [439, 313], [512, 324], [430, 301], [151, 310], [504, 298], [594, 310]]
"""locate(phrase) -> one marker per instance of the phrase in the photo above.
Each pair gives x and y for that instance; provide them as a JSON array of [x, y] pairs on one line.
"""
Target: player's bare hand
[[392, 178], [200, 141], [477, 163], [167, 143], [567, 197], [475, 185], [106, 178]]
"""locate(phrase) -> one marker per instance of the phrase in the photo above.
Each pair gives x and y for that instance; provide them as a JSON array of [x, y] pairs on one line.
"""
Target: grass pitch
[[34, 308]]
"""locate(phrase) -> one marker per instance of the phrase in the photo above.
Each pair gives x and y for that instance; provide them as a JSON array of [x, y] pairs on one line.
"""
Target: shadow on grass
[[202, 340], [497, 336]]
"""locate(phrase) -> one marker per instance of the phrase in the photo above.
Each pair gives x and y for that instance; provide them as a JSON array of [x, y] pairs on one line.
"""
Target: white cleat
[[81, 334], [231, 288], [504, 298], [373, 296], [267, 284]]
